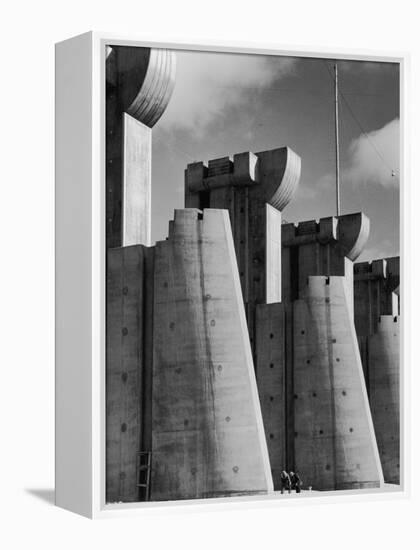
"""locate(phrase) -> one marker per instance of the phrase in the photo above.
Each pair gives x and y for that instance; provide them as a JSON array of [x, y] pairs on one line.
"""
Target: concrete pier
[[335, 446], [208, 436], [376, 308]]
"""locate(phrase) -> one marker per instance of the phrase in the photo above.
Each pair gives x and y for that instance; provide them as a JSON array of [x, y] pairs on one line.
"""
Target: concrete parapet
[[208, 436], [275, 173], [322, 247], [335, 446]]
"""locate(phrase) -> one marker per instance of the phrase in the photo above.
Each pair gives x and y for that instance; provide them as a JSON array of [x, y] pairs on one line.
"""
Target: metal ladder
[[143, 474]]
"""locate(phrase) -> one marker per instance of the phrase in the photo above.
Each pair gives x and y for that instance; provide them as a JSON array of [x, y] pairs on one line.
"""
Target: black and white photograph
[[252, 275]]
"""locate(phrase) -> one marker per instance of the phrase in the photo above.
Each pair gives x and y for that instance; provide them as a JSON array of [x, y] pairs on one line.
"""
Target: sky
[[229, 103]]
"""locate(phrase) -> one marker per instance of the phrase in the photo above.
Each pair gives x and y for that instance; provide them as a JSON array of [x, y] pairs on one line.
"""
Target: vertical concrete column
[[208, 436], [376, 303], [384, 374], [335, 446], [128, 392], [270, 371]]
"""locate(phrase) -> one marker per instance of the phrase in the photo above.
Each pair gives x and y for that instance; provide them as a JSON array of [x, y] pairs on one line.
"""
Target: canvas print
[[252, 275]]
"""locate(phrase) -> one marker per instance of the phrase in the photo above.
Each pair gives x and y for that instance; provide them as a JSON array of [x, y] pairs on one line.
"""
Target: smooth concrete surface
[[136, 182], [128, 319], [335, 446], [208, 435], [384, 376]]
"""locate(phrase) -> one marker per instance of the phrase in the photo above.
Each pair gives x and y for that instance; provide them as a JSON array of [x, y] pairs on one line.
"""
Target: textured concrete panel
[[384, 373], [125, 370], [208, 436], [335, 446], [270, 371]]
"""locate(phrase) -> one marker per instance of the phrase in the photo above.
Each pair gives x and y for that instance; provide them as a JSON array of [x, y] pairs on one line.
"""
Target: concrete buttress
[[376, 312], [335, 446], [208, 436]]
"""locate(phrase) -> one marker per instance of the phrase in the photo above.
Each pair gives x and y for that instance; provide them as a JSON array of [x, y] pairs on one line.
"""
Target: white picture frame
[[80, 273]]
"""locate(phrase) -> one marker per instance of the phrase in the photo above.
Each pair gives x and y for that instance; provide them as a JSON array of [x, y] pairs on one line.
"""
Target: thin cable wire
[[392, 170]]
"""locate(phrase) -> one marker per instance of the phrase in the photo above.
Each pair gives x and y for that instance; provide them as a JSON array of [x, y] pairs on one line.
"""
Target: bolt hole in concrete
[[344, 392], [321, 432], [124, 427], [219, 368], [271, 336], [125, 290], [235, 469], [213, 323], [314, 394], [302, 332], [328, 467], [227, 419], [351, 429], [271, 365], [124, 377], [172, 326], [271, 436], [186, 422], [125, 331], [308, 361], [271, 398]]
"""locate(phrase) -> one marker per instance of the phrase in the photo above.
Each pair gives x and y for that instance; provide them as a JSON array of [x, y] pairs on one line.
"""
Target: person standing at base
[[285, 482], [295, 481]]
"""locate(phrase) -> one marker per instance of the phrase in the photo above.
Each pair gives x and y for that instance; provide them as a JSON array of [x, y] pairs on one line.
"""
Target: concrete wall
[[128, 368], [384, 373], [208, 437], [272, 384], [335, 445]]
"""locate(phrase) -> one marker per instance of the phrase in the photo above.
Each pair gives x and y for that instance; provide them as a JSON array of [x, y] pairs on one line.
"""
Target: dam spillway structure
[[297, 286], [240, 345]]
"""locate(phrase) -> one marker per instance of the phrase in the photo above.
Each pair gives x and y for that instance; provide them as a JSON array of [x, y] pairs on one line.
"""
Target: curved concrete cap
[[353, 232], [288, 178], [146, 79]]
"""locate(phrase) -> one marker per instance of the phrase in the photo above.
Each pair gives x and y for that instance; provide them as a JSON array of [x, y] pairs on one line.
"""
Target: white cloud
[[209, 83], [375, 157]]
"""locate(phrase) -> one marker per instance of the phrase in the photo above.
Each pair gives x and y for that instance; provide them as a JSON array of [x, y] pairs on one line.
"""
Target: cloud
[[207, 84], [375, 157]]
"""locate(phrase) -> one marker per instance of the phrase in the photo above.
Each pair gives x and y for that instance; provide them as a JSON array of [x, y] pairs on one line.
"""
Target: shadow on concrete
[[47, 495]]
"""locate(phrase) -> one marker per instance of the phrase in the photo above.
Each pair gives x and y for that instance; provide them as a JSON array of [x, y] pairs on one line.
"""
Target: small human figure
[[285, 482], [295, 481]]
